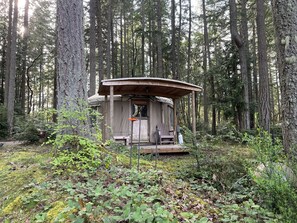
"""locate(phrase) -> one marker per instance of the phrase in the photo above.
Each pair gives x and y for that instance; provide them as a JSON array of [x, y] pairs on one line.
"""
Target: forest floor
[[173, 190]]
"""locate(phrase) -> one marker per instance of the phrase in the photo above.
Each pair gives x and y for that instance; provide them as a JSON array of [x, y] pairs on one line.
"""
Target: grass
[[177, 191]]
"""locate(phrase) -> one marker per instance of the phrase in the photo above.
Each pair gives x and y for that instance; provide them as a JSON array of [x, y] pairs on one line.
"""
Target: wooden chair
[[165, 136]]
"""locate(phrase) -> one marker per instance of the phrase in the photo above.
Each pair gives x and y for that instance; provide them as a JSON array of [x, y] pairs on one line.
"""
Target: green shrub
[[195, 147], [272, 177], [229, 133], [276, 131], [28, 132], [3, 123], [78, 153], [75, 148], [33, 128]]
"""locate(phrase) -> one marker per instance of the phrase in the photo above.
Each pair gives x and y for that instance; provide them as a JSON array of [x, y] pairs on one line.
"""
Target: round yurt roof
[[147, 86]]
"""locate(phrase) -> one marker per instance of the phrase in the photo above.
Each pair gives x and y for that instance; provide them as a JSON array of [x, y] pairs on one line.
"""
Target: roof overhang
[[147, 86]]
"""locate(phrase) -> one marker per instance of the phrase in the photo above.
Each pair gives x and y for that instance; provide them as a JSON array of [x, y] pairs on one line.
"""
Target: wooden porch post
[[174, 119], [104, 119], [111, 110], [193, 113]]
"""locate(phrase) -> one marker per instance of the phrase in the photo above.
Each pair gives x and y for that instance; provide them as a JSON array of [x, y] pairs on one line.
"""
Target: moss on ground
[[21, 168], [56, 209], [16, 203], [30, 193]]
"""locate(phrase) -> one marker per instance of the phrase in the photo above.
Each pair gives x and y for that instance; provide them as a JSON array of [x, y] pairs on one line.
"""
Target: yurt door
[[140, 127]]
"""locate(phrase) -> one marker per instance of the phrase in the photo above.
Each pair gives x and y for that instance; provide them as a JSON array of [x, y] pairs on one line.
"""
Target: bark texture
[[173, 41], [92, 48], [264, 105], [100, 41], [8, 54], [285, 18], [71, 80], [242, 49], [159, 39], [205, 56], [24, 59], [12, 70]]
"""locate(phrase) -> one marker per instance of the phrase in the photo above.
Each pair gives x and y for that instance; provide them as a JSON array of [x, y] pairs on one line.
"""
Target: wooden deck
[[151, 149]]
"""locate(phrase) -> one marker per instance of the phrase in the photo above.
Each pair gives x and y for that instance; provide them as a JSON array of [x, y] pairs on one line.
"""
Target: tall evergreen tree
[[242, 49], [285, 19], [71, 80], [264, 101], [12, 70], [92, 43]]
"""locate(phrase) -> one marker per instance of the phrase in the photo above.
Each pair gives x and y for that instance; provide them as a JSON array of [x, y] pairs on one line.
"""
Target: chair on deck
[[165, 136]]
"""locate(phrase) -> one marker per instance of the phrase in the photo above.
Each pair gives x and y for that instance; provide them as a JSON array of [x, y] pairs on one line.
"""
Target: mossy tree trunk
[[285, 19], [71, 79]]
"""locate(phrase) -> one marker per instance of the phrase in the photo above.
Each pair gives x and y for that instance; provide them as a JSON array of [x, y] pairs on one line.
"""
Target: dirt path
[[10, 143]]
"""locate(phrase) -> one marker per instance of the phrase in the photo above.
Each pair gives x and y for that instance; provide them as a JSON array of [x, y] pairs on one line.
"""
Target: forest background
[[222, 46], [243, 54]]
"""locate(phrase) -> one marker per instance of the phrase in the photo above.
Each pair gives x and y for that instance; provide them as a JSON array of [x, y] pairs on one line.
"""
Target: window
[[138, 109]]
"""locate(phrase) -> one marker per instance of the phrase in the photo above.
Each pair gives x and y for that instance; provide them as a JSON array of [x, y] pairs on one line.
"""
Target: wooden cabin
[[151, 102]]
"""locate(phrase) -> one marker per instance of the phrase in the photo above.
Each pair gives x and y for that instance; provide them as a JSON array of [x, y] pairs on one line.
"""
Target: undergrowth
[[82, 181], [275, 175], [172, 193]]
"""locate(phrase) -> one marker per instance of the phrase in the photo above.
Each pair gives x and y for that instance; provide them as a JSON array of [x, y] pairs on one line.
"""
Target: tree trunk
[[159, 39], [246, 77], [12, 70], [173, 42], [279, 116], [178, 44], [239, 42], [255, 96], [92, 79], [41, 79], [142, 38], [205, 67], [154, 53], [285, 19], [109, 33], [8, 53], [24, 57], [72, 79], [189, 67], [3, 63], [264, 101], [55, 93], [271, 96], [113, 47], [100, 41], [125, 43]]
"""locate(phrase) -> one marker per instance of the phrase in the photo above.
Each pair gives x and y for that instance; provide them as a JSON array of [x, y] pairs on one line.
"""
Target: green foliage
[[28, 132], [118, 194], [33, 128], [273, 176], [267, 149], [78, 149], [78, 153], [130, 197], [3, 123], [229, 133], [247, 211], [78, 119], [276, 131], [195, 147]]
